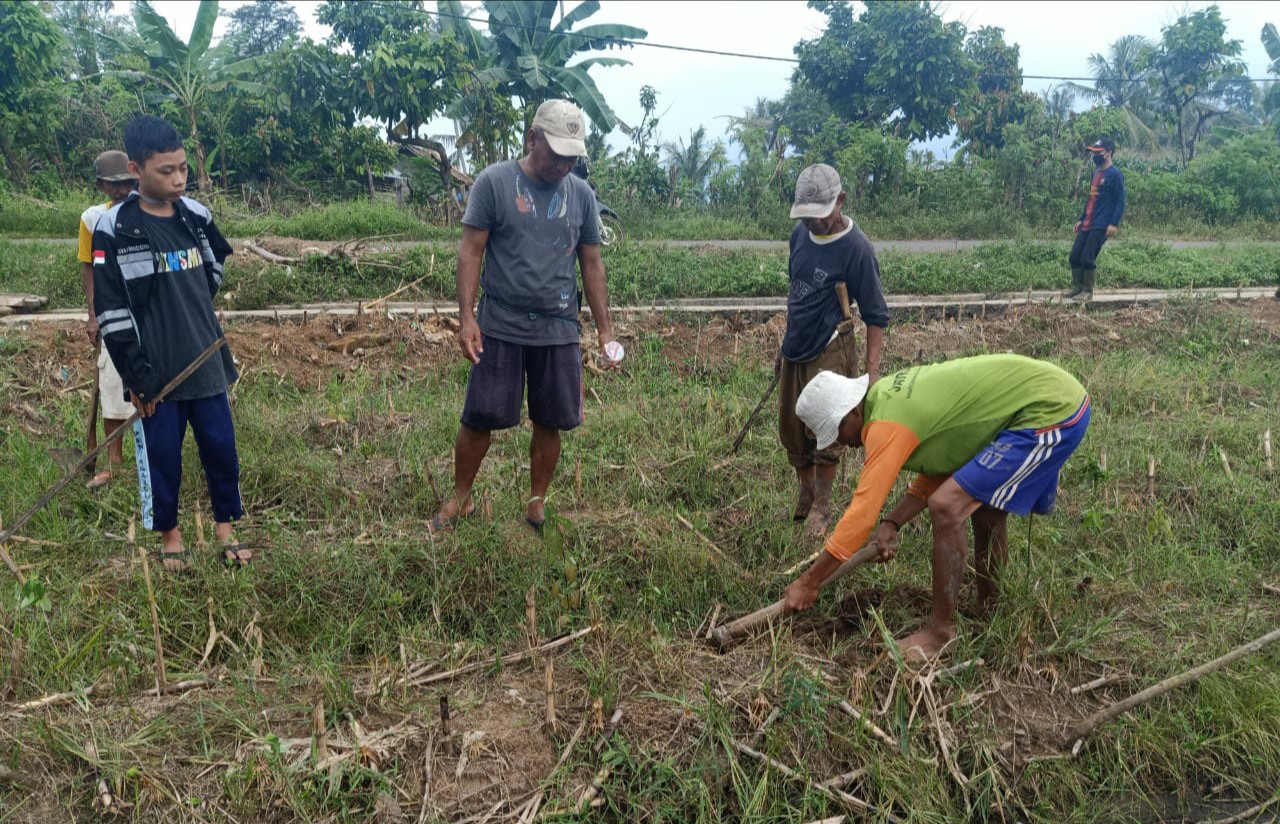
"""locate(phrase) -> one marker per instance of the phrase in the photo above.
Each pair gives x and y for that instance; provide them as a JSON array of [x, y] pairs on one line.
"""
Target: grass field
[[341, 456], [641, 273], [23, 216]]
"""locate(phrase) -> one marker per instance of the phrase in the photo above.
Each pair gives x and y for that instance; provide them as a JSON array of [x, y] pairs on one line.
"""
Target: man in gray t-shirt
[[528, 221]]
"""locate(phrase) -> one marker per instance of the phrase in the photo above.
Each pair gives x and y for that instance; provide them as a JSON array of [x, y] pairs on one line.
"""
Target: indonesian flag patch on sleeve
[[99, 256]]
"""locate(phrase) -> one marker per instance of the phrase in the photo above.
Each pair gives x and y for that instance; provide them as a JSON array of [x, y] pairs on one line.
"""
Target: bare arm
[[875, 347], [470, 257], [597, 291]]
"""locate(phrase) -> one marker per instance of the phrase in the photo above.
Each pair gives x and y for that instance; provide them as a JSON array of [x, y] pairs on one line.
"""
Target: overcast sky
[[1056, 38]]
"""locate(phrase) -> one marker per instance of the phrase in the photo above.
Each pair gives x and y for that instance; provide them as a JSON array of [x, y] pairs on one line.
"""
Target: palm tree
[[1120, 83], [525, 56], [189, 72], [697, 161]]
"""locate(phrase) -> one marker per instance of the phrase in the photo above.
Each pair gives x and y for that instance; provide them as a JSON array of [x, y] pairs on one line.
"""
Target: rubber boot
[[1077, 283], [1090, 280]]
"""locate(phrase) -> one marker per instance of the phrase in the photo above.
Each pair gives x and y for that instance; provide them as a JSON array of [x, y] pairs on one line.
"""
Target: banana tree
[[529, 56], [189, 72]]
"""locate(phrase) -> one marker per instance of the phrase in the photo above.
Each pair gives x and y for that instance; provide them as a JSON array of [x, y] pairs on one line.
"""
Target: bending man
[[987, 436]]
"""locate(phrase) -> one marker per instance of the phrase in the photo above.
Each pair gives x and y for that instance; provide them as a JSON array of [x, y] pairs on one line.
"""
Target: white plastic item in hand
[[614, 351]]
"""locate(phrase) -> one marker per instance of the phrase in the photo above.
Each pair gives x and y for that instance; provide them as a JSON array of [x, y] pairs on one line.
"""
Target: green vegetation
[[640, 273], [340, 455]]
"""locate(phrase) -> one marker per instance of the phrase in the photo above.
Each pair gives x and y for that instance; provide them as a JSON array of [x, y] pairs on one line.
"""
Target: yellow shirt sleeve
[[85, 253], [888, 445]]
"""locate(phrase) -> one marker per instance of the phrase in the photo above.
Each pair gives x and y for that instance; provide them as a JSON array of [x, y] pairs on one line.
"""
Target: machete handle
[[842, 292], [726, 635]]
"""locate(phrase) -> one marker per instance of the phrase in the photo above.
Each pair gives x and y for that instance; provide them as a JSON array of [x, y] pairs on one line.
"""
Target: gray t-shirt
[[529, 279]]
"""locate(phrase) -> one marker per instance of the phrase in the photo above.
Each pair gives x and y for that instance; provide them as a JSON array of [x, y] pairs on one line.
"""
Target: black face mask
[[1099, 159]]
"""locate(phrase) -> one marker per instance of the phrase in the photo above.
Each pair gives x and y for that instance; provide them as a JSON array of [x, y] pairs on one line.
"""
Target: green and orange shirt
[[934, 419]]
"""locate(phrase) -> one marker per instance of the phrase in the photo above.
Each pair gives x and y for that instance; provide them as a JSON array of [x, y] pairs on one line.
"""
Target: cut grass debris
[[341, 453]]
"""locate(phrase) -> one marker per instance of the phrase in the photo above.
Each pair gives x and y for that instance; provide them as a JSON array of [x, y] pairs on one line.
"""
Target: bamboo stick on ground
[[1226, 465], [849, 710], [503, 660], [1266, 448], [549, 670], [1151, 476], [1078, 733], [711, 625], [1097, 683], [162, 678], [838, 796]]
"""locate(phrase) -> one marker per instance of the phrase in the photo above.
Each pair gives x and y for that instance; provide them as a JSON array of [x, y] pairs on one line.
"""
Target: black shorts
[[495, 388]]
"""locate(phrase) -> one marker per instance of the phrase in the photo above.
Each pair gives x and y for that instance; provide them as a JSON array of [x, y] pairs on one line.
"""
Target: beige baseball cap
[[825, 401], [112, 166], [564, 127], [817, 191]]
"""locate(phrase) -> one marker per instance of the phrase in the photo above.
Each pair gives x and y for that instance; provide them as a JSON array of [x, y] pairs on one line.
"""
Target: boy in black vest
[[157, 263]]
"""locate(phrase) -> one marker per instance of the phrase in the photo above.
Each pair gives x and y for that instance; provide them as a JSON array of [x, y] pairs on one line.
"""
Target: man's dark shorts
[[495, 389]]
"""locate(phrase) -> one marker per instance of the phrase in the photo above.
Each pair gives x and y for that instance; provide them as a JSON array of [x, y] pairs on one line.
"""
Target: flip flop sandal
[[440, 525], [182, 556], [233, 560]]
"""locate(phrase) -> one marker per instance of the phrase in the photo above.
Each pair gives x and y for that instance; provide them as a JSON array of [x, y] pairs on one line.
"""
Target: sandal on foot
[[440, 525], [100, 480], [231, 557], [174, 562]]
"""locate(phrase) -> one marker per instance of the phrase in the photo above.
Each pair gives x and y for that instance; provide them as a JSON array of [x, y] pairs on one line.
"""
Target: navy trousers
[[158, 440]]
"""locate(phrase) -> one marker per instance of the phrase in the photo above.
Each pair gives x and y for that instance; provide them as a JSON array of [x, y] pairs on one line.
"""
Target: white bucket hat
[[825, 401]]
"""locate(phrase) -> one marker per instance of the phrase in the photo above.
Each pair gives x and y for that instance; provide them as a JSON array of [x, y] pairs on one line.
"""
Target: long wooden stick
[[726, 635], [430, 271], [1190, 676], [773, 384], [93, 456]]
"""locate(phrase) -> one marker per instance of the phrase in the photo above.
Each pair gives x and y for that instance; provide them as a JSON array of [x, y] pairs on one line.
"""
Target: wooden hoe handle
[[842, 292], [728, 634]]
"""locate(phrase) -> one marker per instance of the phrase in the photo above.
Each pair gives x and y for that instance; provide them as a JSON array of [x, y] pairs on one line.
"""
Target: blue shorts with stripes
[[1018, 471]]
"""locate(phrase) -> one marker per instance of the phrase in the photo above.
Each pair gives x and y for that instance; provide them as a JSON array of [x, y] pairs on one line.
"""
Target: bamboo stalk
[[320, 731], [849, 710], [1097, 683], [1226, 465], [1151, 476], [711, 625], [503, 660], [1096, 720], [1266, 448], [549, 670], [838, 796], [531, 618], [162, 678]]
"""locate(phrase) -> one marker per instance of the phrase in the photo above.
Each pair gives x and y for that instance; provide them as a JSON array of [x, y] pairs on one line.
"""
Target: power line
[[623, 41]]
